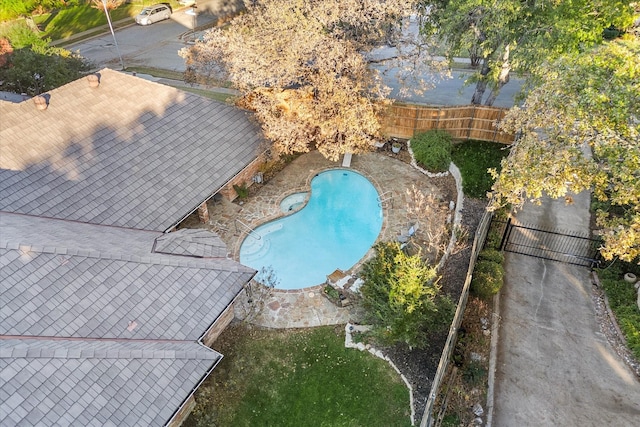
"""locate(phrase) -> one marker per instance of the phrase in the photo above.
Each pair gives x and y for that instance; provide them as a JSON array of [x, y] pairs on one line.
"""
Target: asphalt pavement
[[157, 46]]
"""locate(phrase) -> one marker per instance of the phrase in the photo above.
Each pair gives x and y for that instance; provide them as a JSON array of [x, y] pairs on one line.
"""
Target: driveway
[[554, 366]]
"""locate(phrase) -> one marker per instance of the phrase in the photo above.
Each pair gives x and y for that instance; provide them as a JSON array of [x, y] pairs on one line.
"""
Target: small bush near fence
[[487, 278], [432, 150], [492, 255], [488, 274]]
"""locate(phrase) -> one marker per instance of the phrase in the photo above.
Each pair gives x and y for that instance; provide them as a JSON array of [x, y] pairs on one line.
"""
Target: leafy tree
[[37, 69], [302, 69], [506, 35], [580, 130], [402, 297]]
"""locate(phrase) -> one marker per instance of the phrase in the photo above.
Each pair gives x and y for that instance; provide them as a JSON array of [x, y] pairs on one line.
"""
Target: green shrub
[[474, 373], [19, 35], [402, 298], [502, 214], [487, 279], [451, 420], [241, 190], [494, 238], [432, 150], [492, 255]]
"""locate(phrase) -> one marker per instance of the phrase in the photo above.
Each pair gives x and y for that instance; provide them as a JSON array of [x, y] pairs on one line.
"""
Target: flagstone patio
[[308, 307]]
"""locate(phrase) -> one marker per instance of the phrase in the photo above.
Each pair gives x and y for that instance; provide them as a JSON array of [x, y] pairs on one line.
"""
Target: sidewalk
[[554, 366]]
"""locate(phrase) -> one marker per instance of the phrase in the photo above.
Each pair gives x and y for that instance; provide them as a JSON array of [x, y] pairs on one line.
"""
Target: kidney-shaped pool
[[335, 229]]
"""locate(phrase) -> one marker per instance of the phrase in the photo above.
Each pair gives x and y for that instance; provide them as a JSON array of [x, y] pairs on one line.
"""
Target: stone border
[[307, 189], [349, 343]]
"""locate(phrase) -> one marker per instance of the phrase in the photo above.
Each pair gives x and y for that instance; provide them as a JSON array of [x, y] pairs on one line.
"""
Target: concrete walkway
[[554, 366]]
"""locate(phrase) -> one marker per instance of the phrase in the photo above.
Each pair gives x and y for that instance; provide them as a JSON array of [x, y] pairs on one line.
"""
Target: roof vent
[[41, 102], [94, 80]]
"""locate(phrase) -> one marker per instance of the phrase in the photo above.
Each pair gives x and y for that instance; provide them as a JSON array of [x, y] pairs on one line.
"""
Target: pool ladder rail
[[386, 198], [253, 233]]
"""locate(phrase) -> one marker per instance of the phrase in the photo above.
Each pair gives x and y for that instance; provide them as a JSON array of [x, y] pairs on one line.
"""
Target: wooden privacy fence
[[428, 418], [463, 122]]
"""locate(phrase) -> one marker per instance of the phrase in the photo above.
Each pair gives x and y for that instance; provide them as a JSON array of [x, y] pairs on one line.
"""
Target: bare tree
[[431, 214], [301, 66]]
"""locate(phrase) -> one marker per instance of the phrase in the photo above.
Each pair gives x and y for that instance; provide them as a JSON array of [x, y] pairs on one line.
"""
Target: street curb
[[612, 317], [495, 326]]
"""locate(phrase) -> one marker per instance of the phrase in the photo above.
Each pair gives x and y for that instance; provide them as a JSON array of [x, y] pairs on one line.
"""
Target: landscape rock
[[478, 411]]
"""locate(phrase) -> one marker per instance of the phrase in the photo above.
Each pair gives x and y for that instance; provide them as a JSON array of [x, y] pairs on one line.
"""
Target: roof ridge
[[193, 349], [154, 258]]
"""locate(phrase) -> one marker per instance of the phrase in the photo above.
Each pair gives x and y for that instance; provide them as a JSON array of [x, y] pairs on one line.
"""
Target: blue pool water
[[335, 229]]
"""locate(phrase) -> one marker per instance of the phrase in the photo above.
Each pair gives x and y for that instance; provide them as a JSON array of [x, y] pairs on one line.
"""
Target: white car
[[155, 13], [187, 2]]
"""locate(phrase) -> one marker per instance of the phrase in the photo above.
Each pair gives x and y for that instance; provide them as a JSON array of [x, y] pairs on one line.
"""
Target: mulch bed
[[419, 366]]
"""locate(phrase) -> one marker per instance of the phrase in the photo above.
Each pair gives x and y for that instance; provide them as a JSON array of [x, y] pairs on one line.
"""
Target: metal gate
[[550, 244]]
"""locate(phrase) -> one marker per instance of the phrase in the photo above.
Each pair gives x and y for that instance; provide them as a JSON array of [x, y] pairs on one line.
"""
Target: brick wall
[[244, 177], [216, 329], [183, 413]]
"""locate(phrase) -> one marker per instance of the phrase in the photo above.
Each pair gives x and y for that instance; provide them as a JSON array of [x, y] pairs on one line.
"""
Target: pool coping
[[307, 189]]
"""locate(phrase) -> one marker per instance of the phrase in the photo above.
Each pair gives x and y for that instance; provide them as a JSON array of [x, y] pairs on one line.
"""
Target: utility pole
[[106, 12]]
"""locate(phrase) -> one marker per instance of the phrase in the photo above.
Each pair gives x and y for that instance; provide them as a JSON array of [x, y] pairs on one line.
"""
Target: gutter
[[210, 370], [175, 224], [193, 391]]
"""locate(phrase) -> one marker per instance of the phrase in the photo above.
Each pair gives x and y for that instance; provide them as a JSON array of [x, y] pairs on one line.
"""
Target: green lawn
[[299, 378], [473, 158], [622, 299], [68, 21]]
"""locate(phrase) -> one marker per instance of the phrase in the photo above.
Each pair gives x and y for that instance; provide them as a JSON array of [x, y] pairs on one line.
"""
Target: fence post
[[495, 133], [473, 115], [505, 235]]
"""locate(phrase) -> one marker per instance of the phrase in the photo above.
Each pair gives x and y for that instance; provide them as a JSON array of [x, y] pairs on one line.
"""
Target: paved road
[[154, 45], [554, 366], [157, 46]]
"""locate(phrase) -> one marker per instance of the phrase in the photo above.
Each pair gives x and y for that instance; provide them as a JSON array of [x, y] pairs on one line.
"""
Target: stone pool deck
[[389, 174]]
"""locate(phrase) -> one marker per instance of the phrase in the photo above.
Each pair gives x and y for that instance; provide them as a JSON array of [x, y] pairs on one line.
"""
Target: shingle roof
[[200, 243], [95, 329], [131, 153], [97, 382], [100, 315]]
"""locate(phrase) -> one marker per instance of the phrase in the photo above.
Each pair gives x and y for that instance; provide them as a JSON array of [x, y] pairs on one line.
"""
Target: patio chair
[[404, 237]]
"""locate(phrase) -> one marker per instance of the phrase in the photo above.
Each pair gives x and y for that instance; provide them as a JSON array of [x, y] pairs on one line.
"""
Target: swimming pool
[[335, 229]]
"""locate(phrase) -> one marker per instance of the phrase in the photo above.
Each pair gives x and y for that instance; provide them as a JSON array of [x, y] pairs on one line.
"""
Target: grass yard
[[473, 158], [622, 299], [69, 21], [298, 378]]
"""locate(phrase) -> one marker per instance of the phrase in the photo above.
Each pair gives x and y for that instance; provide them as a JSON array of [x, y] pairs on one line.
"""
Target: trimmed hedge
[[432, 150], [487, 280], [492, 255]]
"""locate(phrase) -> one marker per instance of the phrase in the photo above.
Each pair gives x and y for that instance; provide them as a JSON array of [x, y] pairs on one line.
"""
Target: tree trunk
[[503, 78], [481, 84]]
